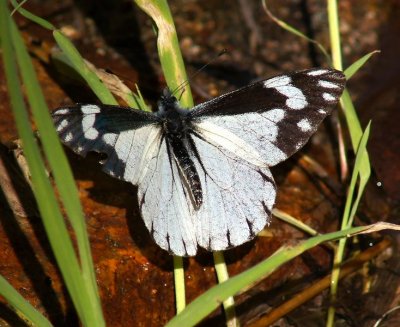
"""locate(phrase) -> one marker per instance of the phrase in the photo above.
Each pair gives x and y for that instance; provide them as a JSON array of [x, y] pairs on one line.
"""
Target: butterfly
[[203, 174]]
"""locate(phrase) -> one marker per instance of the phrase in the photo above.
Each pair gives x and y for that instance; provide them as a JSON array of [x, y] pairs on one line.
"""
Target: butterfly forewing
[[123, 134], [275, 117]]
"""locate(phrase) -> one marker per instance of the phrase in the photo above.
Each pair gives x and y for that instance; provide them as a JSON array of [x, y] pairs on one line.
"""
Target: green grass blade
[[22, 307], [334, 34], [355, 131], [139, 100], [47, 202], [353, 68], [86, 301], [63, 178], [294, 222], [75, 59], [80, 66], [210, 300], [175, 73], [361, 172], [223, 276], [40, 21], [179, 283], [168, 46], [294, 31]]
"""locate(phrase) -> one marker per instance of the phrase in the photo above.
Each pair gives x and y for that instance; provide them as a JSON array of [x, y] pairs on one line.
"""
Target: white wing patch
[[89, 109], [328, 85], [295, 97], [222, 137], [238, 198], [87, 126], [328, 97], [165, 207], [259, 144], [317, 72], [304, 125], [62, 124], [134, 149]]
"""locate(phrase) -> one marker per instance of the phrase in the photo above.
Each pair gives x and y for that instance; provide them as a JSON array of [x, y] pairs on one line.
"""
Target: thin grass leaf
[[73, 56], [294, 31], [168, 47], [175, 74], [22, 307], [354, 67], [80, 66], [211, 299], [140, 103], [88, 298], [362, 173], [115, 85], [63, 178], [355, 131], [38, 20], [223, 276], [294, 222], [179, 283], [47, 202], [334, 34]]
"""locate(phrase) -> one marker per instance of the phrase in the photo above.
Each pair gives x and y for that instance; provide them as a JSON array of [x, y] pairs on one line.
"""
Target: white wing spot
[[62, 112], [328, 97], [91, 134], [274, 115], [299, 145], [89, 109], [87, 126], [297, 103], [277, 81], [304, 125], [62, 125], [295, 97], [322, 111], [109, 138], [328, 85], [317, 72], [68, 137]]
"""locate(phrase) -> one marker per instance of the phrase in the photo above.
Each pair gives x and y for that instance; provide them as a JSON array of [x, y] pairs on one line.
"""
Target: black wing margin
[[276, 116], [120, 133]]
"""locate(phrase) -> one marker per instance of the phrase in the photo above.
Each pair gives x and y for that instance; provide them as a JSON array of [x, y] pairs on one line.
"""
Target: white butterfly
[[203, 174]]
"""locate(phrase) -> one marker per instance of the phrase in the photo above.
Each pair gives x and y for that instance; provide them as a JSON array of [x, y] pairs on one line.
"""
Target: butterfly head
[[167, 102], [168, 106]]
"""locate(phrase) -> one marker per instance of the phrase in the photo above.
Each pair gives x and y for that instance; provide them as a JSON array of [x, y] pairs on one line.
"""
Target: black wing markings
[[279, 113]]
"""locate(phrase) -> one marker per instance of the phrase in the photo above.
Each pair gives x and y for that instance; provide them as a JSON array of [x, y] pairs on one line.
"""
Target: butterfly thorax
[[172, 115]]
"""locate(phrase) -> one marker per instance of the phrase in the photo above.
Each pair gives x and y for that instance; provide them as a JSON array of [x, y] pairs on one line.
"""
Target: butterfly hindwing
[[166, 205], [123, 134], [234, 210], [238, 197], [276, 116]]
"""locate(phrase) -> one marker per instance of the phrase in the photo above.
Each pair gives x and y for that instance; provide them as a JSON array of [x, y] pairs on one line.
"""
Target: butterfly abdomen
[[187, 169]]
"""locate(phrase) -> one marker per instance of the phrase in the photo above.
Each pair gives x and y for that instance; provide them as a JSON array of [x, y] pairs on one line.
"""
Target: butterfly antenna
[[186, 82]]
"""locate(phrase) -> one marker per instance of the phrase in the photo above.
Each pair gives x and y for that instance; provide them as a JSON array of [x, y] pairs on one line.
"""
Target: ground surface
[[134, 275]]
